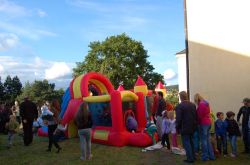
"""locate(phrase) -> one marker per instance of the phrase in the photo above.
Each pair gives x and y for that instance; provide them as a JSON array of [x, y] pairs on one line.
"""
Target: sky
[[43, 39]]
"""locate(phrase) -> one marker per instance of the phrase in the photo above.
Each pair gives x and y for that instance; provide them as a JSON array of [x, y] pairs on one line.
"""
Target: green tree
[[121, 59], [12, 88], [1, 91], [7, 89], [173, 97], [40, 91]]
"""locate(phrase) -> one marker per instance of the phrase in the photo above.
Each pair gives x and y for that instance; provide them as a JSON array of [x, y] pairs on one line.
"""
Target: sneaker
[[82, 158], [232, 155], [225, 155]]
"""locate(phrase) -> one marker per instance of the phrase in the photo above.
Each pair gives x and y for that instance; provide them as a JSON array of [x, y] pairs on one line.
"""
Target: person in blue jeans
[[206, 146], [221, 133], [196, 139], [186, 123], [233, 131], [205, 123], [83, 122]]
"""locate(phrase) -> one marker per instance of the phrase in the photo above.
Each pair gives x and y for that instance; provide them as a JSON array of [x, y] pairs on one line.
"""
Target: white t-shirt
[[172, 126]]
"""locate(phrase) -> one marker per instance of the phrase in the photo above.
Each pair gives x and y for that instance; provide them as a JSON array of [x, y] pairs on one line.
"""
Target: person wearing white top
[[173, 128]]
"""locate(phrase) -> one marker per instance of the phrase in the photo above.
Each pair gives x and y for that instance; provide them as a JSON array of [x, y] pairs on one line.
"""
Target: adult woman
[[52, 124], [84, 123], [205, 122]]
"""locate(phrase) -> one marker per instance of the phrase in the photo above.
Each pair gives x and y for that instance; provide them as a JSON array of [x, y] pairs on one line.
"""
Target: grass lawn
[[103, 155]]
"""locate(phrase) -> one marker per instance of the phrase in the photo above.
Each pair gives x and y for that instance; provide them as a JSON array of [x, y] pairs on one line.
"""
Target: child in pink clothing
[[172, 128]]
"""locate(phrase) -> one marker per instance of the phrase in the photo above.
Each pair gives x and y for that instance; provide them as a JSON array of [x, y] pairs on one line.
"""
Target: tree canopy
[[40, 91], [10, 89], [121, 59], [1, 90]]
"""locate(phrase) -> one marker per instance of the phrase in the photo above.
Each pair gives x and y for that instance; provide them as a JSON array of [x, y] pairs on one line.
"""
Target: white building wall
[[182, 72], [219, 51]]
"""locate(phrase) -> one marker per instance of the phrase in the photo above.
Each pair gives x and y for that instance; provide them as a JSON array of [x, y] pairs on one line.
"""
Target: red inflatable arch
[[98, 80]]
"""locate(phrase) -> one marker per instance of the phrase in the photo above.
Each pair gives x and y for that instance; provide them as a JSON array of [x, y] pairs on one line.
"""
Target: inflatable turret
[[120, 88], [140, 86], [161, 88]]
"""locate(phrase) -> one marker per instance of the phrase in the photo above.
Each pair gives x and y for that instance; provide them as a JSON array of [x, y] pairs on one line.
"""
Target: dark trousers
[[222, 143], [164, 140], [188, 144], [51, 130], [27, 132], [246, 139]]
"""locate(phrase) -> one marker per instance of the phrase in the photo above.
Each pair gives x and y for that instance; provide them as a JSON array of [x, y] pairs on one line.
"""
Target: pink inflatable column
[[116, 111], [140, 112]]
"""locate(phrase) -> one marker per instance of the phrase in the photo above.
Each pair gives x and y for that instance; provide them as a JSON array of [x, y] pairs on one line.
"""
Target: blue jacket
[[220, 127]]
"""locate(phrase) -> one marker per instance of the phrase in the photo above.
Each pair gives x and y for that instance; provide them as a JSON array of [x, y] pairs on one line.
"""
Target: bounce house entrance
[[101, 114], [129, 110]]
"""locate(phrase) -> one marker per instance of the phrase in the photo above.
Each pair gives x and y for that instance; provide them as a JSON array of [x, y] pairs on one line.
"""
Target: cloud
[[169, 74], [31, 33], [1, 69], [36, 68], [12, 9], [58, 70], [8, 40], [41, 13]]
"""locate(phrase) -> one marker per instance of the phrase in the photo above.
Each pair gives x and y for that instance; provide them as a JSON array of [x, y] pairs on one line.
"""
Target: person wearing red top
[[204, 120]]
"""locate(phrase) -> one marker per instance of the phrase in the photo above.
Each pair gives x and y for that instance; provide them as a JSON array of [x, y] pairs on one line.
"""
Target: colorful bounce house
[[109, 109]]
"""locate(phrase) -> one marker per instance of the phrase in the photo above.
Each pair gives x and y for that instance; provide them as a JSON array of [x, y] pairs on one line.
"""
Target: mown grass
[[103, 155]]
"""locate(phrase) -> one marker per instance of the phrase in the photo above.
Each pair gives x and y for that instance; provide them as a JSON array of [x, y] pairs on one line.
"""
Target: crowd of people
[[194, 122], [30, 117], [201, 133]]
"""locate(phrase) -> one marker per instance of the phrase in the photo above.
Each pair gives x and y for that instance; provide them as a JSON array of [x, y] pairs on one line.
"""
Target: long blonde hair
[[198, 98]]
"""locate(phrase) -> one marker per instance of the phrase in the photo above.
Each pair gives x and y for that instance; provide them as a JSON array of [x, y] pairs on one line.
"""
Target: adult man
[[161, 107], [28, 113], [186, 122], [245, 111]]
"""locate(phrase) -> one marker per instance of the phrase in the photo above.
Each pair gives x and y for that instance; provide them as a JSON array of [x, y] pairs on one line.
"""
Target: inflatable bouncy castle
[[109, 109]]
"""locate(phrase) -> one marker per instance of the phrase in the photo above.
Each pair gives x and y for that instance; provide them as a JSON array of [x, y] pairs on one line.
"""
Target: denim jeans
[[196, 139], [206, 146], [11, 135], [222, 143], [188, 144], [85, 142], [233, 142], [158, 126]]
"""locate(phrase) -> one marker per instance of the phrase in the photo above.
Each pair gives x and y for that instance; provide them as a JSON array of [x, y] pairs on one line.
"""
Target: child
[[151, 130], [172, 128], [11, 126], [59, 132], [233, 131], [131, 124], [165, 130], [221, 133]]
